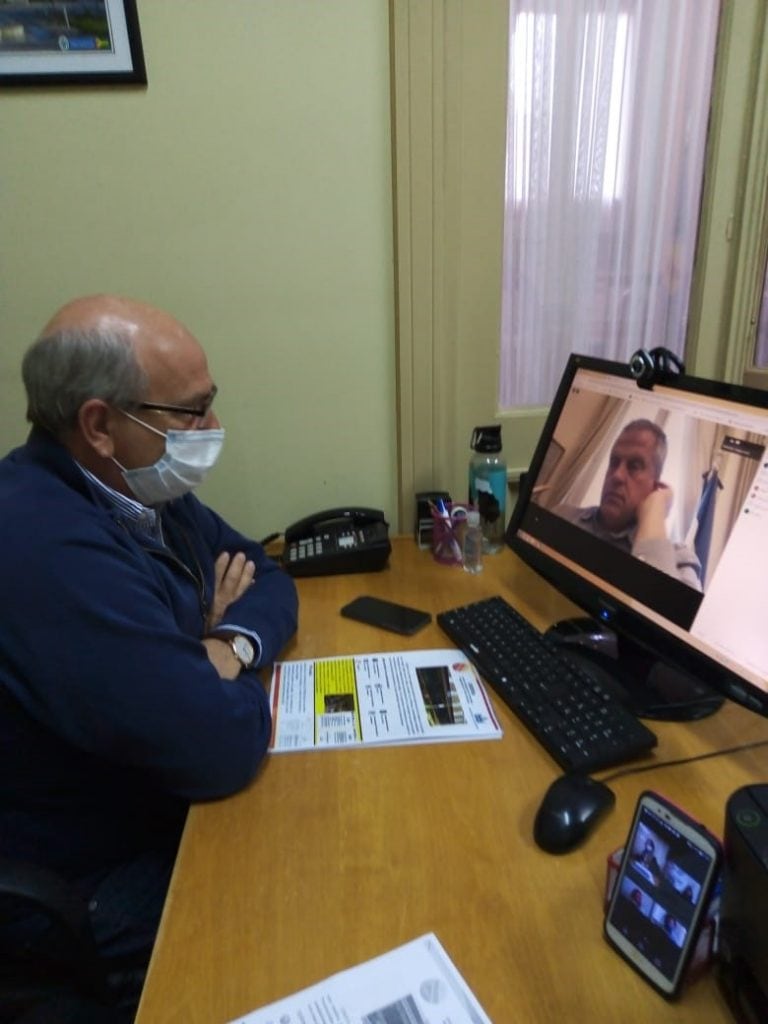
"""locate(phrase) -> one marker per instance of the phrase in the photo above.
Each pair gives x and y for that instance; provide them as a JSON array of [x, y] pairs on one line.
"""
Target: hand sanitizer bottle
[[472, 548]]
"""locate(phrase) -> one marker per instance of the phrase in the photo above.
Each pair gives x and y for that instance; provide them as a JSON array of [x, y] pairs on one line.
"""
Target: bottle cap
[[486, 439]]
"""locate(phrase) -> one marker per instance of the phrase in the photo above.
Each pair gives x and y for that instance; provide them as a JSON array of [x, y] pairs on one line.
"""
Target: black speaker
[[743, 935]]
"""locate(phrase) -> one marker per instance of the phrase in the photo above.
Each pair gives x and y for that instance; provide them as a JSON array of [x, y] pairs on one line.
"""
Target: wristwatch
[[243, 648]]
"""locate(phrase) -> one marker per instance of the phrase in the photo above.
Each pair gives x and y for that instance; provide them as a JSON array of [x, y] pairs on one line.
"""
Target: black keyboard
[[567, 709]]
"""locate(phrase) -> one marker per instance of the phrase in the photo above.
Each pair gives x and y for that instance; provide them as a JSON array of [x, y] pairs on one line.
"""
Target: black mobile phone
[[397, 618], [659, 901]]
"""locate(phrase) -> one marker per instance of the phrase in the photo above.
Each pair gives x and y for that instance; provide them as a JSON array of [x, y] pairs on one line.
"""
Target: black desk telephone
[[339, 540]]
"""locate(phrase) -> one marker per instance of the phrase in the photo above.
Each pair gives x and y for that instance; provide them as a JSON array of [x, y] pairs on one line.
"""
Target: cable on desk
[[683, 760]]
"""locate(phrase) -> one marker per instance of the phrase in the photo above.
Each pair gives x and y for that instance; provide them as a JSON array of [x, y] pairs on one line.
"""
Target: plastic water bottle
[[488, 484], [472, 548]]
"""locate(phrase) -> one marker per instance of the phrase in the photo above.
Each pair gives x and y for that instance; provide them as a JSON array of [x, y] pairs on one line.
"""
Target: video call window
[[606, 462], [698, 566]]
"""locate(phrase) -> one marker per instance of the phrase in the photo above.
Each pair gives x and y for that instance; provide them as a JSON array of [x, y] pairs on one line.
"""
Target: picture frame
[[70, 42]]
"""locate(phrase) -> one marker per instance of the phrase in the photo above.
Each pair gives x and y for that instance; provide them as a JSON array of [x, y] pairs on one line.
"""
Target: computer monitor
[[647, 506]]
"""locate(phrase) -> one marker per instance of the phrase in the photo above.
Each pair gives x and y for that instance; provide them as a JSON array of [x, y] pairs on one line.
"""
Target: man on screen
[[635, 503]]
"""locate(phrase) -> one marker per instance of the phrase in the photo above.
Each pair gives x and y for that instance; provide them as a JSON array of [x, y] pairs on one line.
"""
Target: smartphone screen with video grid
[[662, 891]]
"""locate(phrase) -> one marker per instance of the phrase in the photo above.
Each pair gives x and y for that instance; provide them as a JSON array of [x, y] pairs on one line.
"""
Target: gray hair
[[66, 368], [660, 446]]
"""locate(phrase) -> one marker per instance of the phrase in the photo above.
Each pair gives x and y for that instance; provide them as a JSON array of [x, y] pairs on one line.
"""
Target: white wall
[[248, 190]]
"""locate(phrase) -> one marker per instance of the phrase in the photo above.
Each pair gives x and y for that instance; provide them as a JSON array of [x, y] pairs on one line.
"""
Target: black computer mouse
[[571, 808], [585, 634]]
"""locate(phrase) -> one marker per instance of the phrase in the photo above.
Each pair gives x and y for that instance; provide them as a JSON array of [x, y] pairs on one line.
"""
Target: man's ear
[[95, 419]]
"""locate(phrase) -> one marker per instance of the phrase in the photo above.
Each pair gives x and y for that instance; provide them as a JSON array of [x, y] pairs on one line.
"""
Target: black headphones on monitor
[[651, 367]]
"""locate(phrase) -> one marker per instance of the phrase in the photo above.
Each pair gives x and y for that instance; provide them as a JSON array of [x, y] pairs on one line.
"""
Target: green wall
[[247, 189]]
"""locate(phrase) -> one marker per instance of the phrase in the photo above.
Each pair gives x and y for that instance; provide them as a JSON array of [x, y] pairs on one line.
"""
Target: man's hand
[[652, 513], [234, 574]]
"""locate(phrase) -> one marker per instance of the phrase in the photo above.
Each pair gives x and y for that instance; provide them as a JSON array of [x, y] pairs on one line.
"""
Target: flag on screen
[[705, 517]]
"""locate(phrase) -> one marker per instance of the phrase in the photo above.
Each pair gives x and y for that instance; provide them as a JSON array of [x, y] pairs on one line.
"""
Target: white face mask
[[188, 456]]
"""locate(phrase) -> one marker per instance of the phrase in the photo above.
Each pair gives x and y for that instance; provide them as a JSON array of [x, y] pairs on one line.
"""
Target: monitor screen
[[648, 507]]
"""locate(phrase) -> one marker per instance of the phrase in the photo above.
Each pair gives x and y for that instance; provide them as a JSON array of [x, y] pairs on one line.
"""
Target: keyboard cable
[[636, 769]]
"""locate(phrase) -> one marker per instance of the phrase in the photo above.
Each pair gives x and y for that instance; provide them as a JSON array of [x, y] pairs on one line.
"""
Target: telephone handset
[[338, 540]]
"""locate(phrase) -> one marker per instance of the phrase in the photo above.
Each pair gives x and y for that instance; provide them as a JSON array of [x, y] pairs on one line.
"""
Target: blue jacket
[[112, 718]]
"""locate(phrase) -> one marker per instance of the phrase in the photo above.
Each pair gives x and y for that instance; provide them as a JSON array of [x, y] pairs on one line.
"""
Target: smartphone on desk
[[397, 618], [661, 895]]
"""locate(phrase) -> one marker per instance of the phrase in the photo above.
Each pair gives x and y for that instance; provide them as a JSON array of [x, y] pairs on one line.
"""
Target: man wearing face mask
[[133, 617]]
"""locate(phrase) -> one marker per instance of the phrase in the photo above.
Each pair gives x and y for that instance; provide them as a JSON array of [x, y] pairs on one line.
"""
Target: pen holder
[[425, 501], [448, 533]]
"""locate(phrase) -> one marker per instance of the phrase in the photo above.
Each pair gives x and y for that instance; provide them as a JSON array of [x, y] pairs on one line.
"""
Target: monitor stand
[[647, 686]]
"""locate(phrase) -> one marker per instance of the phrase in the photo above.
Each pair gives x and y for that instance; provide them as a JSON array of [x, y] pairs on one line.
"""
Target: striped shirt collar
[[132, 513]]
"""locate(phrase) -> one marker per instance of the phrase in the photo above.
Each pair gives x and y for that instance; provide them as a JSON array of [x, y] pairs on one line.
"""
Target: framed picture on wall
[[70, 42]]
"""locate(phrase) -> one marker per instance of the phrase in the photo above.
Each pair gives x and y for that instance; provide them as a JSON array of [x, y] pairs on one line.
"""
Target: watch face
[[244, 650]]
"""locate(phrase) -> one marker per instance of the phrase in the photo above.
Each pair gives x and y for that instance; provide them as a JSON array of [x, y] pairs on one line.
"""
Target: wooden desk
[[331, 858]]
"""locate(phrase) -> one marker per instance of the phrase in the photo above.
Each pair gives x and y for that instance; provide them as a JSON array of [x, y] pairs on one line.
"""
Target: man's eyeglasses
[[184, 410]]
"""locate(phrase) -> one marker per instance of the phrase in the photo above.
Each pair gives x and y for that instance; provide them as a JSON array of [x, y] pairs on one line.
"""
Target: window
[[606, 127], [532, 70]]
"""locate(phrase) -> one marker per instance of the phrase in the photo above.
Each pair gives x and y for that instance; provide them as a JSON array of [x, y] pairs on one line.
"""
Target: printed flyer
[[374, 699]]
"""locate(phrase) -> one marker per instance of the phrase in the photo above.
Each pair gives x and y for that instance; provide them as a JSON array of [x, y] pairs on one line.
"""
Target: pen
[[438, 509]]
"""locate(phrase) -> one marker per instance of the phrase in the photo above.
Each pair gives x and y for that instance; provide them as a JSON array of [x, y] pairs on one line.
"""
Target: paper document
[[413, 984], [408, 697]]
